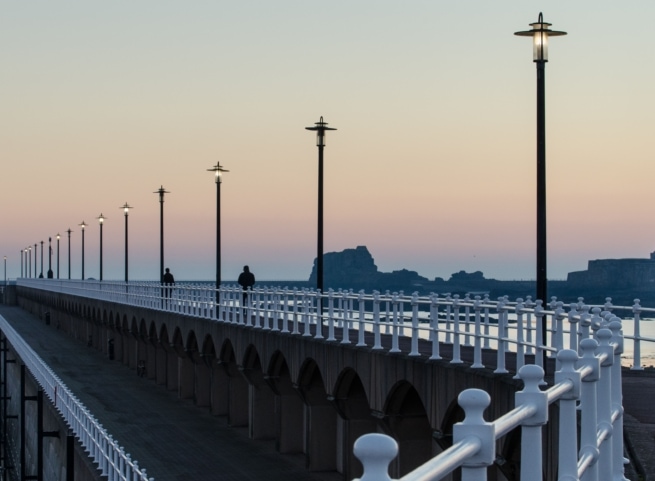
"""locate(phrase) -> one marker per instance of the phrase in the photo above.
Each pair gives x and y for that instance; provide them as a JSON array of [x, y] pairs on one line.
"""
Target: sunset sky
[[432, 166]]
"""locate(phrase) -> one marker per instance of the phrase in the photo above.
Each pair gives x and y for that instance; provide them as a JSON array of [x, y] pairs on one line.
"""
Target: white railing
[[593, 380], [112, 460], [410, 324]]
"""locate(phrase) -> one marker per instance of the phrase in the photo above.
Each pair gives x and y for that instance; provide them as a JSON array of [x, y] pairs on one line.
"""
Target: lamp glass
[[320, 138], [540, 43]]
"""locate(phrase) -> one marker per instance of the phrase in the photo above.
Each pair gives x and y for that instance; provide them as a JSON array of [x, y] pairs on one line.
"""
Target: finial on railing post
[[474, 402], [375, 451]]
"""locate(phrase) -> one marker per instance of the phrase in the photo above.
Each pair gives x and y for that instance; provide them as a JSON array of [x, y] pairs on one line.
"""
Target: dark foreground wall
[[37, 442]]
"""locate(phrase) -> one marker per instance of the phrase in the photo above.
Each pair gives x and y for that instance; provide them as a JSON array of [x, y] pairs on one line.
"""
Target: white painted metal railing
[[591, 378], [112, 460], [475, 322]]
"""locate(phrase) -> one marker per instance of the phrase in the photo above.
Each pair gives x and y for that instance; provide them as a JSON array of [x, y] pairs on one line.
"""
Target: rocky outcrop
[[615, 274]]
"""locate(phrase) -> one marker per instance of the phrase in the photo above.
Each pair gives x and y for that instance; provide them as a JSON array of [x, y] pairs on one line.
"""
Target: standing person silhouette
[[169, 280], [246, 281]]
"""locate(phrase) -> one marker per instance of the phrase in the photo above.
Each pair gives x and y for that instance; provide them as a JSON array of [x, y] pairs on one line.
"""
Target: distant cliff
[[616, 273], [621, 279]]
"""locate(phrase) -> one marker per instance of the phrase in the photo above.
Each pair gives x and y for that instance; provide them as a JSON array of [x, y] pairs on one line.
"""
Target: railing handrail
[[112, 460]]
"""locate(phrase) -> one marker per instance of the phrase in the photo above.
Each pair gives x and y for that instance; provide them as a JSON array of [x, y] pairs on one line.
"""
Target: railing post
[[474, 427], [531, 446], [617, 399], [434, 325], [376, 321], [636, 361], [456, 339], [589, 415], [500, 349], [345, 318], [415, 351], [520, 341], [605, 400], [568, 432], [477, 349], [331, 316], [361, 324]]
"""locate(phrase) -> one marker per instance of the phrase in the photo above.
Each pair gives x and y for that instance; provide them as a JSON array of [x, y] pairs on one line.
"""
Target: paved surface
[[173, 439], [177, 441]]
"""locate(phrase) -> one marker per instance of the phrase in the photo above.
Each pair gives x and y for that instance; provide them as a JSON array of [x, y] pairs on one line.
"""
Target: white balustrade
[[112, 461]]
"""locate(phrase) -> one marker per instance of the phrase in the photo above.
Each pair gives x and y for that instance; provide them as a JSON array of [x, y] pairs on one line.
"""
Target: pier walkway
[[171, 438]]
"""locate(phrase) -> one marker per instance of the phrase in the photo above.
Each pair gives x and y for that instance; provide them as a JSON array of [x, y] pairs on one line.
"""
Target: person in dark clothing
[[246, 281], [169, 280]]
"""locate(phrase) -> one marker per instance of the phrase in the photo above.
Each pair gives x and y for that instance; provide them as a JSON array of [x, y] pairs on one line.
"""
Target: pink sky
[[432, 166]]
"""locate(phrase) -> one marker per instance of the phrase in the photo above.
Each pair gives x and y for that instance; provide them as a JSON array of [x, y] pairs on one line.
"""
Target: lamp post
[[36, 261], [21, 263], [320, 128], [101, 221], [58, 237], [82, 225], [50, 275], [161, 191], [540, 34], [126, 208], [69, 252], [218, 171], [29, 263]]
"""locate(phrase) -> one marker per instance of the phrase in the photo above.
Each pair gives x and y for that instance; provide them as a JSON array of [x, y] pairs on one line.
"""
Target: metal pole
[[218, 233], [82, 253], [58, 237], [41, 276], [69, 253], [542, 279], [319, 244], [36, 261], [126, 246], [50, 258], [100, 250]]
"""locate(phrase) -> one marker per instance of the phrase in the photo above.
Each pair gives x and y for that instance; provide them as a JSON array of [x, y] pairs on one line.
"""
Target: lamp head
[[320, 127], [540, 34]]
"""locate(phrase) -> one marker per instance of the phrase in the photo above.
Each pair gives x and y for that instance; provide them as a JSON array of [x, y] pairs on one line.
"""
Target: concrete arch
[[236, 386], [261, 399], [320, 419], [406, 419], [355, 420], [289, 408]]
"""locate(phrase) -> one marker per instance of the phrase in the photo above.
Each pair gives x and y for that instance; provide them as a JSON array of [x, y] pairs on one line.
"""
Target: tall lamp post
[[21, 263], [540, 34], [83, 225], [58, 237], [50, 274], [69, 252], [218, 171], [320, 128], [29, 264], [161, 193], [126, 208], [101, 221], [36, 261]]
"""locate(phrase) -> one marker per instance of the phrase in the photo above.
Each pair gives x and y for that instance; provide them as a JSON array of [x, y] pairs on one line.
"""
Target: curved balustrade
[[592, 378], [113, 462], [425, 323]]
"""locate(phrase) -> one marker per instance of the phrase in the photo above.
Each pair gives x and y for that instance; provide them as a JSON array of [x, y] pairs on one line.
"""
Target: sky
[[433, 165]]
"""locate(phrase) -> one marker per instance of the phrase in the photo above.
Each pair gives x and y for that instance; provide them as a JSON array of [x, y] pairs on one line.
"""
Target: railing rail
[[382, 321], [112, 460], [591, 377]]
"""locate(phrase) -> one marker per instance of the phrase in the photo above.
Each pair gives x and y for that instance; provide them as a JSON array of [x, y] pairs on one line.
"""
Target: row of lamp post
[[540, 34]]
